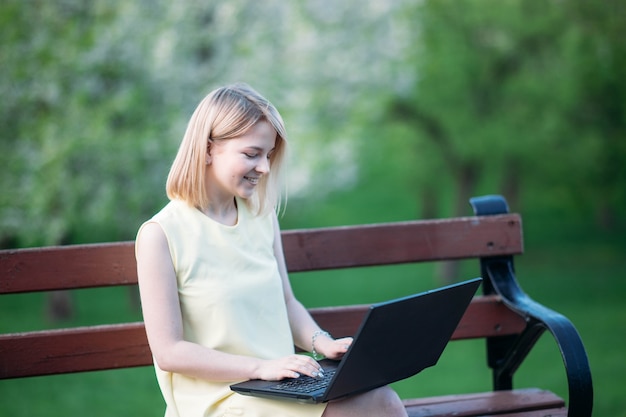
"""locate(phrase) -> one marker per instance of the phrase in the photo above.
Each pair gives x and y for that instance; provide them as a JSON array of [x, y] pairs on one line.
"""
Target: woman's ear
[[207, 158]]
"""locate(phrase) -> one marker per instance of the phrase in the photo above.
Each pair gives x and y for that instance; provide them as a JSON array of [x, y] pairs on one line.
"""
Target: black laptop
[[396, 340]]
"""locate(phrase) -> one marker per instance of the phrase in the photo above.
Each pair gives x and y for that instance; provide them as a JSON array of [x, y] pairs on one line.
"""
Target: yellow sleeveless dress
[[231, 300]]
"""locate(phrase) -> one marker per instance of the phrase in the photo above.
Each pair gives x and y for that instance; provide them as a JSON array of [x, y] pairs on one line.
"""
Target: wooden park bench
[[508, 320]]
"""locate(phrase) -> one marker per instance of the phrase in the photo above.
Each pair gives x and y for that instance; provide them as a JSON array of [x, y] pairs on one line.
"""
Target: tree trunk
[[466, 179], [59, 306], [511, 184], [429, 202]]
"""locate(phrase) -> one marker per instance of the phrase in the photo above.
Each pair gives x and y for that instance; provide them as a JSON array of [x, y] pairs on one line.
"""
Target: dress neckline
[[240, 212]]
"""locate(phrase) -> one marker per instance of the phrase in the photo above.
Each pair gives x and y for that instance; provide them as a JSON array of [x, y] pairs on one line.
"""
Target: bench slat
[[125, 345], [403, 242], [486, 316], [546, 412], [508, 403], [101, 265], [79, 349], [67, 267]]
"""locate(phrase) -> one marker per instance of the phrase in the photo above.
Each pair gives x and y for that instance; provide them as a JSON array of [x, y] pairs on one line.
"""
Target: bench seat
[[530, 402]]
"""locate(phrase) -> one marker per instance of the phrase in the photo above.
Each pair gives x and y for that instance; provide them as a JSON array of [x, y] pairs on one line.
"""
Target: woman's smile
[[252, 180]]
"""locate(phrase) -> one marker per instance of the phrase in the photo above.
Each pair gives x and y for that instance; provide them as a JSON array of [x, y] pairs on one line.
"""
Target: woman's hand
[[333, 348], [288, 367]]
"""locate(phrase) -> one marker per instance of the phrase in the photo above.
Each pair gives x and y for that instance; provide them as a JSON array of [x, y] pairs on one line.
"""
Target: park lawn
[[583, 281]]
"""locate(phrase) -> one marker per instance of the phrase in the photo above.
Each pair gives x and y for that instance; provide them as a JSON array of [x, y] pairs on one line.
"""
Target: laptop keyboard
[[305, 384]]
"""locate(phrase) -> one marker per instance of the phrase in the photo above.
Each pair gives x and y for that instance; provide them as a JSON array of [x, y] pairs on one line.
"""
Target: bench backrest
[[113, 264]]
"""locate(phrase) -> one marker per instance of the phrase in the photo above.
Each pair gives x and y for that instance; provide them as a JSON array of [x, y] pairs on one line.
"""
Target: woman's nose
[[263, 166]]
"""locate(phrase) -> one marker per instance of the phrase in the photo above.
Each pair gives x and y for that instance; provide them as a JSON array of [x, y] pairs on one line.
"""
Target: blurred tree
[[337, 67], [74, 93], [597, 112], [518, 95], [91, 95], [482, 70]]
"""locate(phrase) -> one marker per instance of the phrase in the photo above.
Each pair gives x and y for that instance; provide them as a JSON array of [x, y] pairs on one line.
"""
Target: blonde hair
[[226, 113]]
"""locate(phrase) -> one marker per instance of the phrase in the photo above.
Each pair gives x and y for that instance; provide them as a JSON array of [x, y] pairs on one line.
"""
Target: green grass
[[584, 281]]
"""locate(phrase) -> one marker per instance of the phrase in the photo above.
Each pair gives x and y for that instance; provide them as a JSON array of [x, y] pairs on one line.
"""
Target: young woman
[[216, 299]]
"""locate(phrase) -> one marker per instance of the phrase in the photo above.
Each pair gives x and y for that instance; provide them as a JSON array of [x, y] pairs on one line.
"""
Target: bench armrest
[[499, 273], [539, 319]]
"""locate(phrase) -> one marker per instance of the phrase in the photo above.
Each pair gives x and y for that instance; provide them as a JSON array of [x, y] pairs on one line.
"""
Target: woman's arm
[[163, 321], [303, 327]]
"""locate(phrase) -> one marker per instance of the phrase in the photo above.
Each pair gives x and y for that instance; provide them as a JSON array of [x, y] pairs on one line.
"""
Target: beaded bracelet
[[314, 353]]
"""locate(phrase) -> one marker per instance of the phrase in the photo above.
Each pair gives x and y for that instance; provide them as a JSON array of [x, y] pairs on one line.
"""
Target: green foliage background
[[396, 110]]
